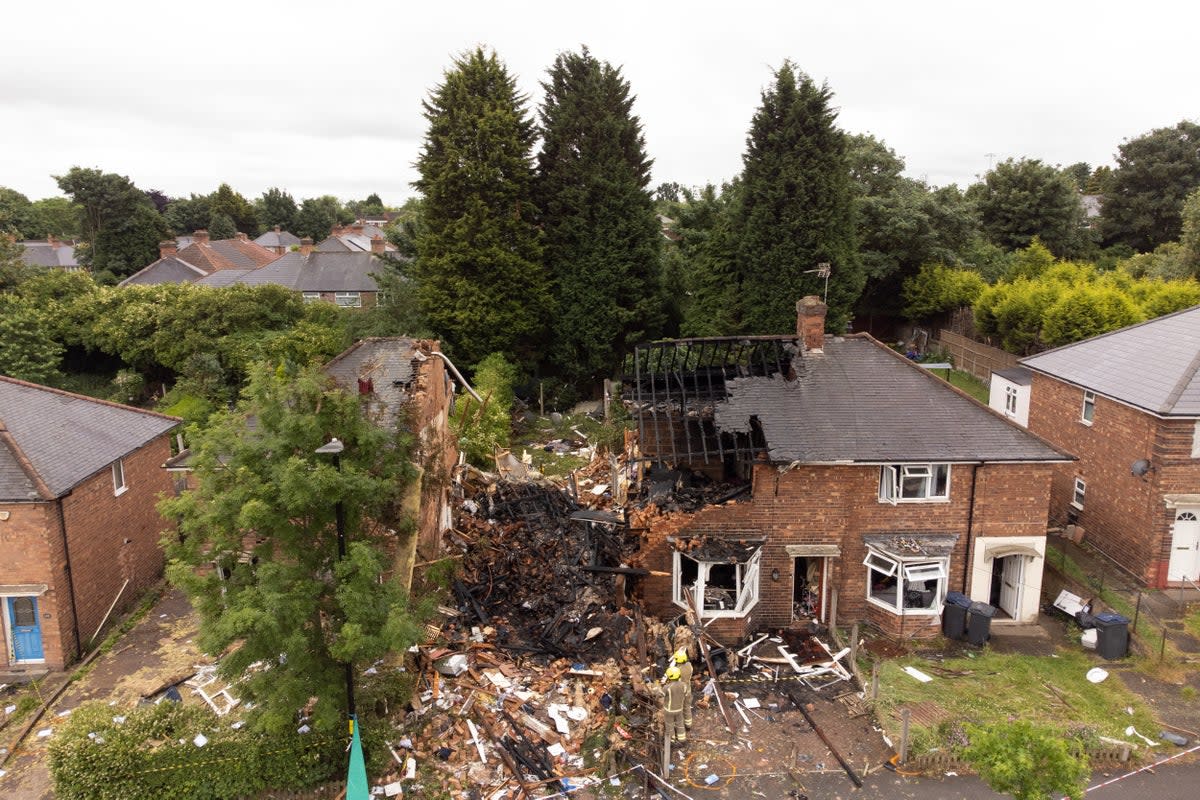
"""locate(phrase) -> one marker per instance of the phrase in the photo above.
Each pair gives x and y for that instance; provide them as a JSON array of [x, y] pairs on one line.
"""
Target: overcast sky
[[325, 97]]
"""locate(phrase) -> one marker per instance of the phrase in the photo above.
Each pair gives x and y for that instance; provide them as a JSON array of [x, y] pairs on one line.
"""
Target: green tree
[[479, 273], [1027, 760], [601, 234], [1085, 311], [57, 216], [220, 226], [318, 215], [481, 429], [937, 288], [240, 210], [1155, 173], [276, 207], [118, 223], [28, 350], [1189, 237], [16, 214], [1019, 200], [295, 609], [796, 210], [710, 303], [186, 215], [13, 269], [407, 227]]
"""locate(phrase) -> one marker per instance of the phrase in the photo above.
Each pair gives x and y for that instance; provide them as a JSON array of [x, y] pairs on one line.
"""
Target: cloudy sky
[[325, 97]]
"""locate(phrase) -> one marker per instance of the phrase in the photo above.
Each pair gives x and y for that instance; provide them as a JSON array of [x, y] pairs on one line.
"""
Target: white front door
[[1012, 571], [1185, 547]]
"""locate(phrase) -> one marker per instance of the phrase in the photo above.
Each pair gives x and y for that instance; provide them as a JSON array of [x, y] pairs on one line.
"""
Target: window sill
[[912, 501], [1086, 422], [907, 612], [120, 491], [1077, 506], [717, 613]]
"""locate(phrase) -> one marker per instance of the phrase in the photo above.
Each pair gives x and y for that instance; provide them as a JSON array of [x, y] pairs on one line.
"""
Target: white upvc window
[[722, 589], [310, 297], [348, 299], [1078, 493], [118, 476], [904, 586], [1089, 407], [914, 483], [1010, 400]]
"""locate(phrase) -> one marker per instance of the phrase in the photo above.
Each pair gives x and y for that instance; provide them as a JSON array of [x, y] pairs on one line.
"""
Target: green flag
[[356, 776]]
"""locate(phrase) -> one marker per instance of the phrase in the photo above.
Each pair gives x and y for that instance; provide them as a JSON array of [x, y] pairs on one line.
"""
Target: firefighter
[[685, 677], [673, 704]]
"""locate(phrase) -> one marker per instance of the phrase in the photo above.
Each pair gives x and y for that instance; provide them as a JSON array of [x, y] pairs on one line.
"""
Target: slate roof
[[58, 439], [45, 254], [859, 401], [277, 239], [166, 270], [315, 272], [1154, 365], [1018, 375], [387, 362]]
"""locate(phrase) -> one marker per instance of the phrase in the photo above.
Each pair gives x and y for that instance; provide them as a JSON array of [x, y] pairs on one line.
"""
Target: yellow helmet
[[673, 673], [680, 656]]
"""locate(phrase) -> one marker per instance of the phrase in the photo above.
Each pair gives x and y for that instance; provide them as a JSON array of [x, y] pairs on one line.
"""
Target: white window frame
[[1088, 412], [893, 480], [906, 571], [310, 297], [120, 487], [747, 590], [348, 299], [1010, 400], [1078, 493]]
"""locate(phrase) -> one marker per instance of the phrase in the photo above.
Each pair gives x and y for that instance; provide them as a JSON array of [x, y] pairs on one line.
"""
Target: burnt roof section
[[1154, 365], [58, 438]]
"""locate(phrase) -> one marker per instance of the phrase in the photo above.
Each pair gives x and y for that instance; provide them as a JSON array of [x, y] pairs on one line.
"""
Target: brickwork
[[1123, 515], [110, 538], [429, 412], [837, 505]]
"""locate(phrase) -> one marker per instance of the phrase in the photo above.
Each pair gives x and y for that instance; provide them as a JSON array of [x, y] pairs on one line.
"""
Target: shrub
[[1027, 761]]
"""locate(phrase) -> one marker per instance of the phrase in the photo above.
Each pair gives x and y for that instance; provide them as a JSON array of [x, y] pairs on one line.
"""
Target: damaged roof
[[859, 401], [381, 367]]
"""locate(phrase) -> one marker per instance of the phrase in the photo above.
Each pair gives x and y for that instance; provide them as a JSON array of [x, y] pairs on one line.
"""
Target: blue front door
[[26, 631]]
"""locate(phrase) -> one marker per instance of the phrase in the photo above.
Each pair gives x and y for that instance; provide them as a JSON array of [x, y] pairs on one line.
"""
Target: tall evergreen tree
[[601, 235], [120, 225], [276, 207], [1143, 202], [797, 208], [480, 278]]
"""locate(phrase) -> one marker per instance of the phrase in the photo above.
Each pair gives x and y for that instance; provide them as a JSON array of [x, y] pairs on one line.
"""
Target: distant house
[[79, 532], [404, 381], [868, 484], [200, 259], [344, 278], [52, 253], [278, 241], [356, 238], [1127, 403]]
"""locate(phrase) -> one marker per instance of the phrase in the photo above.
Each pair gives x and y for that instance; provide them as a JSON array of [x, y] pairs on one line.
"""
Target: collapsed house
[[863, 487]]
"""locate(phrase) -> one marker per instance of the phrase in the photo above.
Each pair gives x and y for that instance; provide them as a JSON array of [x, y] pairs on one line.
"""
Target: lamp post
[[334, 447]]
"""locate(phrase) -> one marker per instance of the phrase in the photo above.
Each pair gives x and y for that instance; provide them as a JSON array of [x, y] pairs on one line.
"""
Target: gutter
[[62, 527], [970, 524]]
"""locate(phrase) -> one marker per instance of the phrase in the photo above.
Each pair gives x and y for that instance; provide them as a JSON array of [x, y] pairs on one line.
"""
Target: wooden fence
[[979, 359]]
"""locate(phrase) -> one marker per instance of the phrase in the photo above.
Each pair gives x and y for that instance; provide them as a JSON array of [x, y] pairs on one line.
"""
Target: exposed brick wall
[[837, 505], [116, 537], [30, 551], [1123, 515]]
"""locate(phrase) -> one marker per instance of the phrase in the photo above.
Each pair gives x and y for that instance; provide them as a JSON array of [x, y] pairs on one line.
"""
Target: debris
[[200, 740], [1173, 738], [392, 789], [916, 673], [1132, 731], [1097, 674], [44, 732]]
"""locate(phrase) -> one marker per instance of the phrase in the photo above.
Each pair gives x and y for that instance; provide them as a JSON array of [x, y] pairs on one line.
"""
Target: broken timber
[[808, 718], [694, 620]]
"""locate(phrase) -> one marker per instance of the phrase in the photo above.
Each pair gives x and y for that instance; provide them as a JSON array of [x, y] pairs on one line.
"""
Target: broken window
[[908, 483], [722, 587], [904, 586]]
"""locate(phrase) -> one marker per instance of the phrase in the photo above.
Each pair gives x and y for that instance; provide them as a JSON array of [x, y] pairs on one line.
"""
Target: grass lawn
[[969, 384], [999, 687]]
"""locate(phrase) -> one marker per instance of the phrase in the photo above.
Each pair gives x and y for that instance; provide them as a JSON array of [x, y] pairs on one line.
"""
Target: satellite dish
[[1140, 467]]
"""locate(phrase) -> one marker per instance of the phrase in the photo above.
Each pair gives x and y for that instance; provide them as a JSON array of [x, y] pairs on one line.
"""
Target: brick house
[[79, 532], [405, 382], [1127, 403], [188, 259], [868, 483]]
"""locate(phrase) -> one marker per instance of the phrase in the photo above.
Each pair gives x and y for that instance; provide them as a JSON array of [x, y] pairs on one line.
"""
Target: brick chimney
[[377, 244], [51, 240], [167, 248], [200, 236], [278, 229], [241, 237], [357, 228], [305, 246], [810, 323]]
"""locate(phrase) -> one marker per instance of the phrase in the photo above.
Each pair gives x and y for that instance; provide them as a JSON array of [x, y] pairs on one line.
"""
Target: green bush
[[152, 755], [482, 428], [1027, 760]]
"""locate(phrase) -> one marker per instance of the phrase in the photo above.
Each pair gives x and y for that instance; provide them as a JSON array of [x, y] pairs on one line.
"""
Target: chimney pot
[[810, 322], [278, 229], [200, 236], [377, 244], [167, 248], [306, 246]]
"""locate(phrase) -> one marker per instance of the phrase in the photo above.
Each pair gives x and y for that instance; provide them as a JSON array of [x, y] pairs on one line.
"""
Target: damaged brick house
[[79, 528], [405, 382], [872, 485], [1127, 403]]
